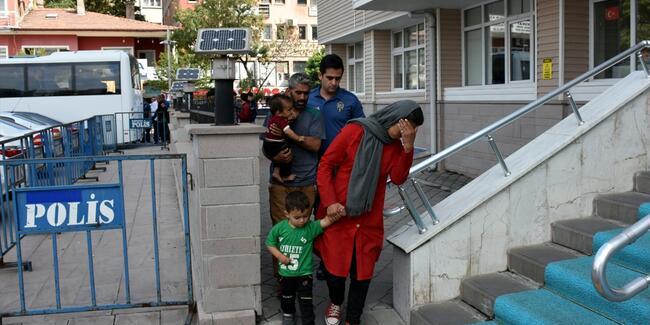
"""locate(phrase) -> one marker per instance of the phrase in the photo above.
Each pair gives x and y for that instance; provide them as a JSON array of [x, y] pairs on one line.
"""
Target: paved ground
[[108, 261], [380, 297]]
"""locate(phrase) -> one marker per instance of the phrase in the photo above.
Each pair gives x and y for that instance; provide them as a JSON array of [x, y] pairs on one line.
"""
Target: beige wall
[[450, 50], [459, 120], [337, 18], [340, 50], [576, 38], [548, 42]]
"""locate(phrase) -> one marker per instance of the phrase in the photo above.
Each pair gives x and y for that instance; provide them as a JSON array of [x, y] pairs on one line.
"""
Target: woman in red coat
[[352, 183]]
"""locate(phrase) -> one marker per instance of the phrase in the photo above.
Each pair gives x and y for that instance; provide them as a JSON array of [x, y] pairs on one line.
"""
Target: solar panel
[[223, 41], [178, 85], [189, 74]]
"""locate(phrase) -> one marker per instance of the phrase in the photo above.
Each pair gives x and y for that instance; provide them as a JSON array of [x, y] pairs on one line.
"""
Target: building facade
[[33, 31], [470, 63]]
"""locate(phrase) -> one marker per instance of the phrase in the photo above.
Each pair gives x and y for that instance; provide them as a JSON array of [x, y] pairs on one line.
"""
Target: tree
[[313, 66], [108, 7]]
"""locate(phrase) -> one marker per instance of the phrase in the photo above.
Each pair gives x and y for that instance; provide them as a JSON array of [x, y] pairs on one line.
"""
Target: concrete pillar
[[225, 222]]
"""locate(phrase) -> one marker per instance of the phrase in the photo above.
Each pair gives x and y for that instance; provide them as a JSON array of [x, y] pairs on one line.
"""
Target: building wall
[[460, 120], [337, 18], [382, 60], [15, 43], [548, 42], [449, 49], [576, 38], [96, 43], [340, 50]]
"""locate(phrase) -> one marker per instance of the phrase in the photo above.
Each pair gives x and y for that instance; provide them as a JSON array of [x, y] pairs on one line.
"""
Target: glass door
[[611, 32]]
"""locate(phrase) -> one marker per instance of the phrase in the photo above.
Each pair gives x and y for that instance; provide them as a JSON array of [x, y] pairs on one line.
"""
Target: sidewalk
[[379, 302], [108, 260]]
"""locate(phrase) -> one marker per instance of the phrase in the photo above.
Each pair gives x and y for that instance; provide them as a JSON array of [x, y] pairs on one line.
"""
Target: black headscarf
[[367, 162]]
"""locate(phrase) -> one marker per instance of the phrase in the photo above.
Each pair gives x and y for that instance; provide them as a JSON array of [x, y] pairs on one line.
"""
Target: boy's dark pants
[[302, 287]]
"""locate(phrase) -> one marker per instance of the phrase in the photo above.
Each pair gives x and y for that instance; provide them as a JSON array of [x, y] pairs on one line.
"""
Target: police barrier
[[65, 212], [80, 138], [141, 129]]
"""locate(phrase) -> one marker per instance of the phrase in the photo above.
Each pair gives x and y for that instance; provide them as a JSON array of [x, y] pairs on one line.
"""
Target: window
[[302, 2], [61, 79], [299, 66], [150, 55], [42, 50], [266, 34], [613, 24], [4, 52], [97, 78], [12, 83], [281, 31], [128, 50], [355, 67], [3, 8], [278, 2], [302, 32], [150, 3], [409, 59], [314, 32], [497, 43]]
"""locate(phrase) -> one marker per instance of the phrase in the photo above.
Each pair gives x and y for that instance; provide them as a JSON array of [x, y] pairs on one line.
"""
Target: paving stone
[[446, 313]]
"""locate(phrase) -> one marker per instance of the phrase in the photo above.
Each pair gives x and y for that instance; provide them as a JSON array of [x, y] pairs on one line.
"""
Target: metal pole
[[169, 61], [574, 107]]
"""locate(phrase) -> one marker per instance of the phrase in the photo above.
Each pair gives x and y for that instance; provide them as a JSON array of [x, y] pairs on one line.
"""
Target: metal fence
[[94, 211], [80, 138]]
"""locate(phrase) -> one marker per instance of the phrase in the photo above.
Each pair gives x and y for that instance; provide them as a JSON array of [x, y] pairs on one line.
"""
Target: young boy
[[283, 114], [290, 242]]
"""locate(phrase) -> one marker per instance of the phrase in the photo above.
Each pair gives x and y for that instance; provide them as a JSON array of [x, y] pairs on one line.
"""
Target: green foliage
[[108, 7], [313, 64], [189, 60]]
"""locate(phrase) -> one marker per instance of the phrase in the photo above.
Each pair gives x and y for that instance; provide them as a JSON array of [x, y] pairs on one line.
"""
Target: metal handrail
[[489, 130], [599, 270]]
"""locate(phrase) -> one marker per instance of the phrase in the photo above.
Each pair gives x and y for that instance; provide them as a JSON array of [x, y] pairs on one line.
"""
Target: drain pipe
[[430, 24]]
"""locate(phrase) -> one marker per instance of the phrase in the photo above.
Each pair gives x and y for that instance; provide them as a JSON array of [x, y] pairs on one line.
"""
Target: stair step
[[620, 206], [642, 182], [481, 291], [644, 210], [448, 312], [530, 261], [571, 279], [635, 256], [543, 307], [578, 234]]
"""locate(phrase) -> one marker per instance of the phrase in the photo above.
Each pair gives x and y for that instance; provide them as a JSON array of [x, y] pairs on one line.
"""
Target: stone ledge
[[208, 129]]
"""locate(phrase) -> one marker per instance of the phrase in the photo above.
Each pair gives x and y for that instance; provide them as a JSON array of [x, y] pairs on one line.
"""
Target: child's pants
[[302, 287]]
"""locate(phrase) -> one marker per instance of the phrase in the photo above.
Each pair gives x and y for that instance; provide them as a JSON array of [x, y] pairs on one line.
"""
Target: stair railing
[[488, 131], [599, 270]]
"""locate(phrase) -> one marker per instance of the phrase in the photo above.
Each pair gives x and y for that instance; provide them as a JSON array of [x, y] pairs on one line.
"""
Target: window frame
[[507, 21], [351, 65], [145, 3], [304, 34], [270, 38], [119, 48], [401, 50], [634, 12], [301, 4], [59, 47], [4, 9], [311, 32]]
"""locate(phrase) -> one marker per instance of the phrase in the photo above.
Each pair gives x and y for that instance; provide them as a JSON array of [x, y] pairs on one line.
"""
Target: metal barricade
[[76, 139], [135, 129], [96, 250]]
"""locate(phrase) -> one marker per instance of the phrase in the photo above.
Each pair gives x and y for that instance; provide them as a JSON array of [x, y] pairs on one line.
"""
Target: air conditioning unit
[[290, 22]]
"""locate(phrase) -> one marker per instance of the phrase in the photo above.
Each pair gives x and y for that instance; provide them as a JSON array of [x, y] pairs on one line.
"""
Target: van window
[[49, 79], [12, 83], [97, 78]]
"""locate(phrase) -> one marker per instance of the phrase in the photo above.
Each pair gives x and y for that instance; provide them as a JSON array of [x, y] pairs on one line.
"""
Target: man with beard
[[302, 155]]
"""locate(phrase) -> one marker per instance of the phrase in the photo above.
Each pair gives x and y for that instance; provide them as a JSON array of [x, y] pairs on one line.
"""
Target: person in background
[[154, 109], [352, 184], [246, 112], [146, 115], [162, 120], [337, 105]]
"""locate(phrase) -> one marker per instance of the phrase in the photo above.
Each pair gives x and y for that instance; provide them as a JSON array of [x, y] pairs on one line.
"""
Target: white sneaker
[[333, 315]]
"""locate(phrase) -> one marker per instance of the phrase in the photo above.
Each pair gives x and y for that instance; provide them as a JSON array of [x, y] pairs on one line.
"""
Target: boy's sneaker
[[333, 315], [288, 319]]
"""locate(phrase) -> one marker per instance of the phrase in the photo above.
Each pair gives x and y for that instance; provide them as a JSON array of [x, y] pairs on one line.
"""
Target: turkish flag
[[612, 13]]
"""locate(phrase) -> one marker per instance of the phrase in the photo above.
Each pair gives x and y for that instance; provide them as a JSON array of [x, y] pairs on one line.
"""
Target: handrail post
[[412, 211], [502, 162], [425, 200], [574, 107], [643, 63]]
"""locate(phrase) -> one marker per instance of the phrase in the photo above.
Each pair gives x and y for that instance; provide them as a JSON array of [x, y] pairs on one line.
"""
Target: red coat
[[367, 230]]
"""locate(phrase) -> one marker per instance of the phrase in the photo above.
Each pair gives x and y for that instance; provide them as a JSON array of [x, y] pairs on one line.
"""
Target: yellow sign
[[547, 69]]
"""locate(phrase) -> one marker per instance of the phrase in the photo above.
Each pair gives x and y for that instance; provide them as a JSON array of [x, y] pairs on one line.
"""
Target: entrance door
[[611, 35]]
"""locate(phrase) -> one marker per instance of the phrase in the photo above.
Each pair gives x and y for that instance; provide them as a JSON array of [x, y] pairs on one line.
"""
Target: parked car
[[33, 121]]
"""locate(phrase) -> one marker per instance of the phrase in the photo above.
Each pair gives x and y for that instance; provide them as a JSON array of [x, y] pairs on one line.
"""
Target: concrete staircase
[[550, 283]]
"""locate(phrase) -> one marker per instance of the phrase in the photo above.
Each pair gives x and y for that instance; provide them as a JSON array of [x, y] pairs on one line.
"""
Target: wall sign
[[547, 69]]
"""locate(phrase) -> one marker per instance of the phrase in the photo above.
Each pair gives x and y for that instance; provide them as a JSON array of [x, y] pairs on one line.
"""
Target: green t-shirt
[[295, 243]]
